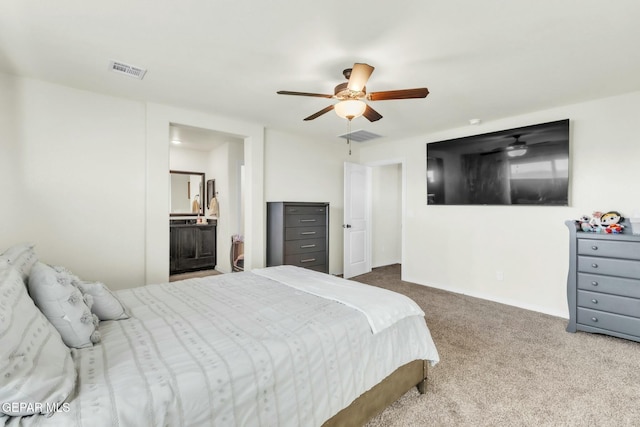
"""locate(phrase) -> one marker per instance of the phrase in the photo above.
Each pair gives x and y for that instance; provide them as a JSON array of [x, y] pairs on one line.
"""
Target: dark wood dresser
[[298, 234], [603, 287]]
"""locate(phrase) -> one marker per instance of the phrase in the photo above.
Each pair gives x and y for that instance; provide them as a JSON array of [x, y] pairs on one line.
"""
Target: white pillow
[[36, 368], [105, 304], [22, 257], [64, 306]]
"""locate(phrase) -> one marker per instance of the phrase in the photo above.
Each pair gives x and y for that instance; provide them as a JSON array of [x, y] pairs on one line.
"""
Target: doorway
[[374, 200], [386, 215], [220, 156]]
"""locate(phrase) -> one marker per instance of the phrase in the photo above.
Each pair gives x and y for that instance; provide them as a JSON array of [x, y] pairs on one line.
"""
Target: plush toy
[[611, 222], [596, 225], [583, 223]]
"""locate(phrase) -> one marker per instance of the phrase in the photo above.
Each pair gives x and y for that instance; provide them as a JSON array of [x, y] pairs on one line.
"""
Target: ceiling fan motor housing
[[342, 92]]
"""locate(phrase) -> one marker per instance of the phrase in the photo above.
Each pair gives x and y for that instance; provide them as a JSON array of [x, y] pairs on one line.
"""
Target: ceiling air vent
[[129, 70], [360, 136]]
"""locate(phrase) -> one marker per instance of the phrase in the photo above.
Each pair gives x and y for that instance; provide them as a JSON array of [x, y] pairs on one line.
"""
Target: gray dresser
[[603, 287], [298, 234]]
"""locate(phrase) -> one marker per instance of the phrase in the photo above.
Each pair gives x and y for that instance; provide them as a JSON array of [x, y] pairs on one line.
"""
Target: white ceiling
[[484, 59]]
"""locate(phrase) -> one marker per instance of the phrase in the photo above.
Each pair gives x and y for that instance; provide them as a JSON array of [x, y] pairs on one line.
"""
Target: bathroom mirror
[[187, 193]]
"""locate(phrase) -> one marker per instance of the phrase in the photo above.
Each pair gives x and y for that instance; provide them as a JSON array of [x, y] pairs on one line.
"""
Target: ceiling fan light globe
[[350, 109], [516, 152]]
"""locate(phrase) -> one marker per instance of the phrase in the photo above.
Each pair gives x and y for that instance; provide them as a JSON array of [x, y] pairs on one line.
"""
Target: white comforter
[[237, 349]]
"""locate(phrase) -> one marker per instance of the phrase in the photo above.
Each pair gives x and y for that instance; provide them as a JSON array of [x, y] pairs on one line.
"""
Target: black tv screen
[[522, 166]]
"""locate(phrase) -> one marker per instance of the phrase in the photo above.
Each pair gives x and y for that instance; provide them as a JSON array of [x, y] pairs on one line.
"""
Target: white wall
[[386, 218], [72, 164], [11, 157], [462, 247], [85, 179], [181, 159], [77, 169], [300, 169], [225, 161]]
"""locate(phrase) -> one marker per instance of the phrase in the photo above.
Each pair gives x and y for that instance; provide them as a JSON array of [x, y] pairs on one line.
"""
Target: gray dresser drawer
[[609, 266], [305, 210], [296, 233], [609, 285], [610, 303], [304, 246], [304, 220], [609, 321], [628, 250], [306, 260]]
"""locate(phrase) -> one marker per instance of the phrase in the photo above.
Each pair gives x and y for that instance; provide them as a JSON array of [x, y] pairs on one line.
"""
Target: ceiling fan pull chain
[[349, 135]]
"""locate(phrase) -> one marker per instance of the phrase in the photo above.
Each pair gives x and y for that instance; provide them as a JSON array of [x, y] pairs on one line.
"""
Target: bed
[[280, 346]]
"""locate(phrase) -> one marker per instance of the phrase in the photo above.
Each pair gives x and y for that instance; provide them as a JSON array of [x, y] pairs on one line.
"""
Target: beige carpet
[[505, 366]]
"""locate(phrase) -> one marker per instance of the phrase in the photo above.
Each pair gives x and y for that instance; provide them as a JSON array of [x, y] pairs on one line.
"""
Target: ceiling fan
[[517, 147], [352, 93]]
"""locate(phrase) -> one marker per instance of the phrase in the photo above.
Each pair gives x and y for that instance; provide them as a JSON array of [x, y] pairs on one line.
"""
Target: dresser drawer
[[609, 303], [304, 246], [609, 285], [304, 220], [306, 260], [305, 210], [607, 248], [612, 322], [609, 266], [296, 233]]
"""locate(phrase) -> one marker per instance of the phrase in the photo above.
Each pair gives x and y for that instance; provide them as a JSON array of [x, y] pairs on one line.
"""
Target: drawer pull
[[594, 283], [308, 260], [595, 319], [595, 248], [307, 220], [306, 233], [594, 265], [307, 246], [595, 301]]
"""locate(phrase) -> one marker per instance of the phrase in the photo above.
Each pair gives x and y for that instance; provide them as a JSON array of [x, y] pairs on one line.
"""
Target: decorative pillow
[[106, 304], [36, 369], [64, 306], [22, 257]]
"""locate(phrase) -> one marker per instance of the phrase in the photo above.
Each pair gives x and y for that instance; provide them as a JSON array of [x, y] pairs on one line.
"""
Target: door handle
[[346, 225]]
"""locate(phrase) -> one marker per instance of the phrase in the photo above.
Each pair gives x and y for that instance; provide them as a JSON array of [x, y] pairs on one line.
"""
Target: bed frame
[[383, 394]]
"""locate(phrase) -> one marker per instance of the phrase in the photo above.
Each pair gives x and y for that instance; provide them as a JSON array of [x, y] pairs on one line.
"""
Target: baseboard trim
[[484, 296]]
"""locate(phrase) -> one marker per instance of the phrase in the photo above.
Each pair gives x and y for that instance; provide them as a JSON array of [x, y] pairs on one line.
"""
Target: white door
[[357, 219]]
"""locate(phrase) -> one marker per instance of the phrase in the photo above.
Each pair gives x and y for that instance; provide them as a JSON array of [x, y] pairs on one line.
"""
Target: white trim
[[481, 295]]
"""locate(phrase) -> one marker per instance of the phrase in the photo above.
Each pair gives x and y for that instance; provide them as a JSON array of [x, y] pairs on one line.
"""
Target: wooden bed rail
[[383, 394]]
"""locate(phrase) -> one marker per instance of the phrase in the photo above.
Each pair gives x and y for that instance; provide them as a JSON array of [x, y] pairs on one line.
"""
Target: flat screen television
[[523, 166]]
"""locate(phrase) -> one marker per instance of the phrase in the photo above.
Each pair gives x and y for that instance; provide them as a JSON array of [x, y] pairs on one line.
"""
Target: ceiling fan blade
[[318, 95], [319, 113], [371, 114], [360, 74], [398, 94]]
